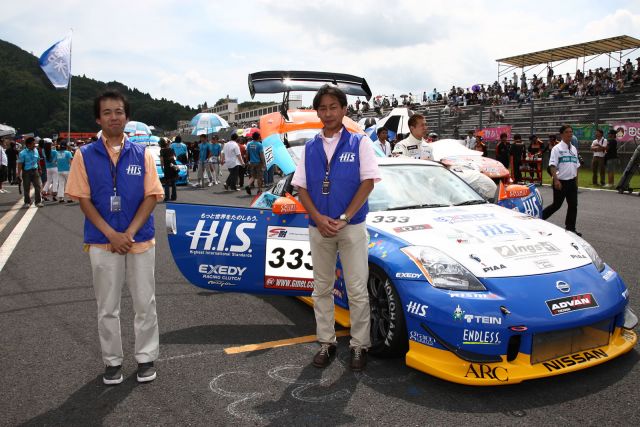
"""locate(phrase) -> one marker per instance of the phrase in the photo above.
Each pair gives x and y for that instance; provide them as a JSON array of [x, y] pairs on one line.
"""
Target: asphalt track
[[51, 367]]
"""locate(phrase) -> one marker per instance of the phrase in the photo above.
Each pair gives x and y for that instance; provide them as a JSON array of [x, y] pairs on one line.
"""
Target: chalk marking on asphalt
[[16, 234], [185, 356], [278, 343], [13, 211]]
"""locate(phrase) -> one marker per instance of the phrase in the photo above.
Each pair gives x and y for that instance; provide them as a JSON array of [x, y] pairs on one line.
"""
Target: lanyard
[[384, 147], [113, 168]]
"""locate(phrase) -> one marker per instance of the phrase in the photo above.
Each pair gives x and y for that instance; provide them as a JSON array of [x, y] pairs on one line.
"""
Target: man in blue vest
[[335, 175], [117, 185]]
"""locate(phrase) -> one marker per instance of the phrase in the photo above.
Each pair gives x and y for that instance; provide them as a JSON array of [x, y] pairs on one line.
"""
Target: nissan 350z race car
[[465, 290]]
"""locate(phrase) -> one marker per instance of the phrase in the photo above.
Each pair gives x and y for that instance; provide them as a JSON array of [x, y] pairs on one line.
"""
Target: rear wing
[[306, 81]]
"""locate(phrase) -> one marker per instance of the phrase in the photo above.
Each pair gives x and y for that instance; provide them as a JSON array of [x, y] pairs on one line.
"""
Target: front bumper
[[447, 366]]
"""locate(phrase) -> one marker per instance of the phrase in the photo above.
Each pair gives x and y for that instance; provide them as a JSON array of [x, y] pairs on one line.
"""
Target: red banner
[[626, 131], [78, 135], [493, 134]]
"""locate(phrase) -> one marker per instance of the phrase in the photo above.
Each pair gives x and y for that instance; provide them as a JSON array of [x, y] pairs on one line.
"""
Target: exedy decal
[[571, 303]]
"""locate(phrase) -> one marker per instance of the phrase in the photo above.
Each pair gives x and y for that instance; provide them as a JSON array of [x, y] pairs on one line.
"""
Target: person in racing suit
[[411, 145]]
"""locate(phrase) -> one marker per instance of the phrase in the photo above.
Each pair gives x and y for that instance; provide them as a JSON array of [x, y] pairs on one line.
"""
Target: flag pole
[[69, 117]]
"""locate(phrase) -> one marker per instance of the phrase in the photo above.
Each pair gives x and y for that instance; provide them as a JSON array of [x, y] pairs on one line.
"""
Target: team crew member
[[203, 157], [411, 145], [64, 166], [563, 167], [180, 148], [599, 148], [29, 170], [118, 187], [256, 162], [335, 175]]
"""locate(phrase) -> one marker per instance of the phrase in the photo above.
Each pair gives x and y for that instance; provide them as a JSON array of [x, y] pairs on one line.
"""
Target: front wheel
[[388, 328]]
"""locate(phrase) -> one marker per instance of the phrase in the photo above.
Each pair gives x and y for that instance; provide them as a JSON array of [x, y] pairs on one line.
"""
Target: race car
[[183, 170], [465, 290]]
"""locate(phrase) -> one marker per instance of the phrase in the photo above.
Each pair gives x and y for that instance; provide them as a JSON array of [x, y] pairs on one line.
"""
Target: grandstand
[[544, 116]]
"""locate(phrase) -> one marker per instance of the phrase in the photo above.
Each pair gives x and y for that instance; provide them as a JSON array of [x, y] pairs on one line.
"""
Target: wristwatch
[[344, 218]]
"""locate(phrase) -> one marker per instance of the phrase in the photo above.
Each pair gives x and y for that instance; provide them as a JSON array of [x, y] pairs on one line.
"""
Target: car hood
[[489, 240]]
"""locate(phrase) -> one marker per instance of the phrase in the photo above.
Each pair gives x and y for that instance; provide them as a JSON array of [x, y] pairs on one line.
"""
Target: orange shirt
[[78, 188]]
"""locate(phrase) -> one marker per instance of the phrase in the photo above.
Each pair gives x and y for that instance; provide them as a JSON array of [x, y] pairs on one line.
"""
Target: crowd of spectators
[[517, 90]]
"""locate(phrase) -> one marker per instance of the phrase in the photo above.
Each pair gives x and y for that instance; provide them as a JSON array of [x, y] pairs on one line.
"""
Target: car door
[[232, 249]]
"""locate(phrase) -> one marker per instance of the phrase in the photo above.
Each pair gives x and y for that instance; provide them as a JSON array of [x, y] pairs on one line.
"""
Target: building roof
[[597, 47]]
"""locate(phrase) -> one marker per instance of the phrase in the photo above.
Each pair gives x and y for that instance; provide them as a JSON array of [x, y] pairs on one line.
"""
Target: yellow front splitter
[[447, 366]]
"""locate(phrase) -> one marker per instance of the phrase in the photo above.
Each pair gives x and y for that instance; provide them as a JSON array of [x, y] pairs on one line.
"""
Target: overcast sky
[[196, 51]]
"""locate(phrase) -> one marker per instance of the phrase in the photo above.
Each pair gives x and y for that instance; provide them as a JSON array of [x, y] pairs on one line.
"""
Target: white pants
[[110, 271], [202, 169], [352, 243], [215, 170], [62, 183], [52, 181]]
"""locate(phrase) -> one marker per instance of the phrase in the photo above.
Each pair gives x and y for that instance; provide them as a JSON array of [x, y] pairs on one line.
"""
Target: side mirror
[[287, 205]]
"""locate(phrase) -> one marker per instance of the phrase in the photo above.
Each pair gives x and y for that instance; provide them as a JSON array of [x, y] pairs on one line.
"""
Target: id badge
[[116, 205], [325, 186]]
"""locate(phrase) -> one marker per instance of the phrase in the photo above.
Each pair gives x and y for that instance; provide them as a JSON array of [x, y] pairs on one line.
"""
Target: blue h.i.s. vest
[[344, 176], [129, 173]]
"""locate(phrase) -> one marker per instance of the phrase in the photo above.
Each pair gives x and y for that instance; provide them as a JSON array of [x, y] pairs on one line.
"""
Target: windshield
[[415, 186]]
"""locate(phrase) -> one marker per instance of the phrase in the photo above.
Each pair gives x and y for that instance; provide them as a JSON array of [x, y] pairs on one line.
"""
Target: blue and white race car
[[465, 290]]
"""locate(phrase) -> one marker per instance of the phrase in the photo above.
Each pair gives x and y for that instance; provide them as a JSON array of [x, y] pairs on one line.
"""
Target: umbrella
[[250, 131], [6, 130], [206, 123], [373, 133], [145, 139], [136, 128], [397, 120]]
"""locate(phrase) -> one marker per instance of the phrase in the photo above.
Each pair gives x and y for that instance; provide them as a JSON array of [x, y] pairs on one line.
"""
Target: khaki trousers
[[351, 242], [110, 272]]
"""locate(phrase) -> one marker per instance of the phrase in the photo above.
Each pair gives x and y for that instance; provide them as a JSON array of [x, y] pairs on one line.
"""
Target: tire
[[388, 328]]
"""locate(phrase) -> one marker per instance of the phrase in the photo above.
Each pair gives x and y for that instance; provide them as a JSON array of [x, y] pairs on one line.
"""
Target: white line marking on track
[[12, 241], [13, 211]]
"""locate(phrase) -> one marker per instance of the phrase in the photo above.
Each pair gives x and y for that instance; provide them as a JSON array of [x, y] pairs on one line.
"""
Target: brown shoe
[[323, 357], [358, 359]]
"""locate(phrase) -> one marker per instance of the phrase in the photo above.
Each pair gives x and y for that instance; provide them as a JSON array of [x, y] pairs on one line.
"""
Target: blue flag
[[56, 63]]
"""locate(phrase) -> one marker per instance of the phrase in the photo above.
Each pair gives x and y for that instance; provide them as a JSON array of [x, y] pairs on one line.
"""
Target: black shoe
[[146, 372], [112, 375], [248, 189], [226, 187], [323, 357], [575, 232], [358, 359]]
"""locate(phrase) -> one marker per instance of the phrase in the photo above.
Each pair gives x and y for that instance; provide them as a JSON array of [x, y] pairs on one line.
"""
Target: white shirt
[[408, 147], [4, 161], [231, 152], [599, 143], [386, 147], [565, 158], [470, 142]]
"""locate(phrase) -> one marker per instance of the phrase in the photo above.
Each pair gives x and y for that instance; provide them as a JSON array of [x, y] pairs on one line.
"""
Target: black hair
[[381, 129], [256, 136], [110, 94], [47, 151], [329, 90], [517, 136], [29, 140], [234, 136], [503, 135], [178, 139], [563, 128]]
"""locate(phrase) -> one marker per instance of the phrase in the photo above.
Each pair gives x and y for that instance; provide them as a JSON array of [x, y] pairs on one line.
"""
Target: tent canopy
[[598, 47]]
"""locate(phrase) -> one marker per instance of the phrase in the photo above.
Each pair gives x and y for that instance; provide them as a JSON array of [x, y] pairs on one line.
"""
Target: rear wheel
[[388, 328]]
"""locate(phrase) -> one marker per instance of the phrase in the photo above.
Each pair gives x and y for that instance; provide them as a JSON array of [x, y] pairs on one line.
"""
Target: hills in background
[[30, 103]]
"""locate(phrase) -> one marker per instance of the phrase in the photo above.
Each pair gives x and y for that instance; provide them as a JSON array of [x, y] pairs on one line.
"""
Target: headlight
[[441, 270], [595, 258]]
